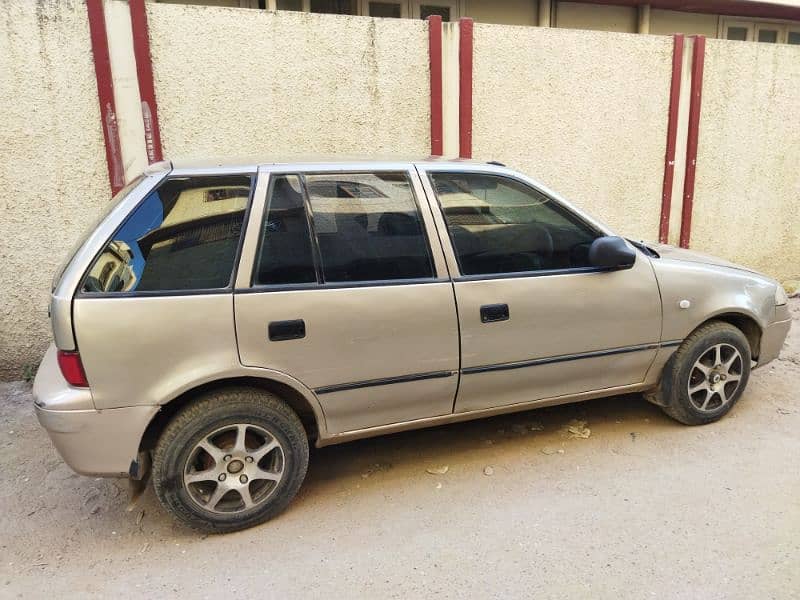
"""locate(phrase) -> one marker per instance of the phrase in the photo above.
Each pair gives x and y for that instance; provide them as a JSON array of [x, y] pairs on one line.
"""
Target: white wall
[[53, 172], [583, 112], [747, 194], [238, 82]]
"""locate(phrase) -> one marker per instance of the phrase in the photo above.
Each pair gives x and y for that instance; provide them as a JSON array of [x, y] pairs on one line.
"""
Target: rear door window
[[285, 253], [342, 227], [368, 227], [183, 236]]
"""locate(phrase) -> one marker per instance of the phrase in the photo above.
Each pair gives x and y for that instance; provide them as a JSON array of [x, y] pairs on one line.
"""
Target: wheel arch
[[302, 402], [745, 323]]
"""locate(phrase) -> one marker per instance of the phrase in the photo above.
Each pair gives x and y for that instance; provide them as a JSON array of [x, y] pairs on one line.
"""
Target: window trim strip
[[153, 294], [335, 285], [541, 273]]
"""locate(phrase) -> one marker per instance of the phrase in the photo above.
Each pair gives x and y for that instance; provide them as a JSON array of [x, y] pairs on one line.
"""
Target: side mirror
[[611, 252]]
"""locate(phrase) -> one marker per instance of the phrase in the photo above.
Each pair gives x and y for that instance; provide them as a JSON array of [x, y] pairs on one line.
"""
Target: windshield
[[118, 197]]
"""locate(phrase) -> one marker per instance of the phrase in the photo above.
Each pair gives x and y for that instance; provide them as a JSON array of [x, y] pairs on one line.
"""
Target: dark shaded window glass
[[368, 227], [769, 36], [384, 9], [334, 7], [285, 254], [793, 37], [428, 10], [296, 5], [737, 33], [183, 236], [498, 225]]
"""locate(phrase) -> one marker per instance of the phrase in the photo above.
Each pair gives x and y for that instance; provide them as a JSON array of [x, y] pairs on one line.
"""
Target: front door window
[[499, 225]]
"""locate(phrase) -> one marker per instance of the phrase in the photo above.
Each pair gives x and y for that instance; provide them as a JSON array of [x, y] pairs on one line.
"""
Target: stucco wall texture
[[583, 112], [236, 82], [747, 194], [53, 174]]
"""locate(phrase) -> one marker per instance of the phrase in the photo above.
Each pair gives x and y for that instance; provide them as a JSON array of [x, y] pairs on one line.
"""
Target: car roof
[[250, 164]]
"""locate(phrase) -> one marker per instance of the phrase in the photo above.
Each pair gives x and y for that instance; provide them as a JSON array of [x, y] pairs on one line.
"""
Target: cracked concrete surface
[[643, 507]]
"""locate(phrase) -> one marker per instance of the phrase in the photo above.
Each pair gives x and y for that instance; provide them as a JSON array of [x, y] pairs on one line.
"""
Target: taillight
[[72, 368]]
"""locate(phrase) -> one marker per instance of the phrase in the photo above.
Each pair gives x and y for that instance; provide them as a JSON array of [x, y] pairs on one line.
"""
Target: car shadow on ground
[[400, 456], [384, 466]]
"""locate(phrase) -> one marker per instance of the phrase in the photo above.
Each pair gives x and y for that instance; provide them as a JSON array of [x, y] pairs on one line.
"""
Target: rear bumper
[[91, 442], [772, 341], [97, 442]]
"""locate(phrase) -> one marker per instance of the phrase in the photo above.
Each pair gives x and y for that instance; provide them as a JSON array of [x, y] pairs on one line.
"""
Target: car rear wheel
[[230, 460], [706, 375]]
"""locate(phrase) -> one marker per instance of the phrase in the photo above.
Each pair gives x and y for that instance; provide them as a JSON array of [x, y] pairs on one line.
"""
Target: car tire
[[706, 376], [231, 459]]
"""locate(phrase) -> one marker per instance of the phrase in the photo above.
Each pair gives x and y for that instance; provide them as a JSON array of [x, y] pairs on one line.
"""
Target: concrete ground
[[642, 508]]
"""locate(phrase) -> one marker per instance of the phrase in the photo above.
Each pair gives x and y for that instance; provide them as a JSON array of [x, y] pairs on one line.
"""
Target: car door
[[340, 288], [537, 320]]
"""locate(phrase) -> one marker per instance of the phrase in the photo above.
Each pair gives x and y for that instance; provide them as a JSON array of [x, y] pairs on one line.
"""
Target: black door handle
[[287, 330], [494, 312]]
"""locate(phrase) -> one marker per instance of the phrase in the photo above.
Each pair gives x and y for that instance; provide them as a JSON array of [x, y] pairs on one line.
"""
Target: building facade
[[743, 20]]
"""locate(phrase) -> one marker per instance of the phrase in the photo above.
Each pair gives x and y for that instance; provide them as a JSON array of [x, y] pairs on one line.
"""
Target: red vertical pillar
[[105, 93], [144, 73], [698, 59], [465, 88], [435, 57], [672, 133]]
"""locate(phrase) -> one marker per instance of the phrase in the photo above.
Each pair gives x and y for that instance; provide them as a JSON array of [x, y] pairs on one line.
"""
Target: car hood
[[681, 254]]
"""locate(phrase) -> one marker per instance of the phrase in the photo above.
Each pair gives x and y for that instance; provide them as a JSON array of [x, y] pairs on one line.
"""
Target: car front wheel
[[230, 460], [706, 375]]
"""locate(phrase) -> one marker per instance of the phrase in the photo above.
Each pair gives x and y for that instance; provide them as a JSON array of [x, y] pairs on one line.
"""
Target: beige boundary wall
[[236, 82], [747, 195], [53, 173], [585, 113]]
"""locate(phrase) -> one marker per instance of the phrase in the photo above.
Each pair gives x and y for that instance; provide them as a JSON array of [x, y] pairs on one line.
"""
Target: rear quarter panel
[[146, 350], [61, 316]]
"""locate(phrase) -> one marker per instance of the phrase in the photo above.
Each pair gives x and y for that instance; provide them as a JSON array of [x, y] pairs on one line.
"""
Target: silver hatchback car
[[217, 319]]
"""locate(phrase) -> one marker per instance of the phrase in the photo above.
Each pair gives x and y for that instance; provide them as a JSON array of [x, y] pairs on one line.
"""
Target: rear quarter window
[[182, 236], [115, 201]]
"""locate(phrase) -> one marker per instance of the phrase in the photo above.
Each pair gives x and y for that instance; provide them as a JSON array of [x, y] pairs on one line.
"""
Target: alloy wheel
[[234, 469], [715, 377]]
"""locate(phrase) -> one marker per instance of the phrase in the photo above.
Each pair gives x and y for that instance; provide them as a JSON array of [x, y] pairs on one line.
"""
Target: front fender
[[693, 293]]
